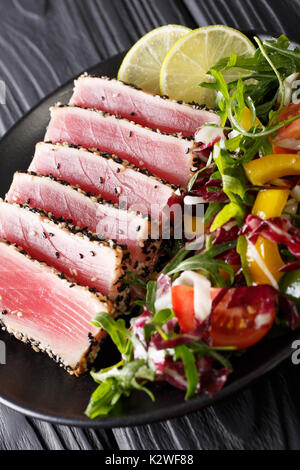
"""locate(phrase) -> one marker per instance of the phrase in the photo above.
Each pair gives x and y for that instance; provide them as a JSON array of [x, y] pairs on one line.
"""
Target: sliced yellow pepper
[[270, 167], [269, 203], [246, 120]]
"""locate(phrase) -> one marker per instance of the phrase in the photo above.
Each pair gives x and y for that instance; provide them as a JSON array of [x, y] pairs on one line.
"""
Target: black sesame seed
[[101, 180], [58, 166], [187, 150], [57, 255], [44, 235], [91, 338], [132, 114], [81, 256], [4, 312], [138, 228], [28, 201], [93, 253]]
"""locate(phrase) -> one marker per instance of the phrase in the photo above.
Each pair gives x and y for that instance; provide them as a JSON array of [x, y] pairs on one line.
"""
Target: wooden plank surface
[[44, 43]]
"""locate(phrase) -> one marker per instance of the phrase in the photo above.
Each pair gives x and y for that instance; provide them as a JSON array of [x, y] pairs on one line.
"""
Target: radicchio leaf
[[277, 229], [216, 195], [201, 333]]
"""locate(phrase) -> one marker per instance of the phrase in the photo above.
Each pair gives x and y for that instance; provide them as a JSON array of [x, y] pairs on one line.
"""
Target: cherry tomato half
[[291, 131], [240, 326], [183, 306]]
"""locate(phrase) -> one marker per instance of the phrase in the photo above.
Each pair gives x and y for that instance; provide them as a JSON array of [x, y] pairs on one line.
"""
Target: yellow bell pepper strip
[[270, 203], [270, 167], [263, 258], [246, 121]]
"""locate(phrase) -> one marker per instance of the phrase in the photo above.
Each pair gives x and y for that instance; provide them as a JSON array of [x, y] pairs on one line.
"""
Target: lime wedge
[[141, 66], [188, 61]]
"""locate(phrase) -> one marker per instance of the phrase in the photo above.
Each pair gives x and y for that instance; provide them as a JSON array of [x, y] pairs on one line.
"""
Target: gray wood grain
[[44, 43]]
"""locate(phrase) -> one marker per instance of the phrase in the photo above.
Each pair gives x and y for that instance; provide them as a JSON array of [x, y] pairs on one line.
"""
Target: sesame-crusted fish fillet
[[168, 156], [157, 112], [78, 254], [109, 222], [49, 312], [108, 176]]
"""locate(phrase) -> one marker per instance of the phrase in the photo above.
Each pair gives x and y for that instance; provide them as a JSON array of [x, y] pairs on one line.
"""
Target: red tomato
[[277, 149], [214, 291], [291, 131], [183, 306], [239, 326]]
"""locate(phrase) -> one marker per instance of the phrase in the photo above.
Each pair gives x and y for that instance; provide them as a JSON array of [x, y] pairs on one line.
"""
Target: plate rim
[[185, 408]]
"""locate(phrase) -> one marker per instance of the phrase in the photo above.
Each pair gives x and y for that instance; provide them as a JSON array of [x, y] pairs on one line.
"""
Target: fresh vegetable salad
[[210, 304]]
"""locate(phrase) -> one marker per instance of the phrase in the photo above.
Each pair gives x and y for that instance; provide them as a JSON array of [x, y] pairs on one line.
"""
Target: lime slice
[[141, 66], [187, 63]]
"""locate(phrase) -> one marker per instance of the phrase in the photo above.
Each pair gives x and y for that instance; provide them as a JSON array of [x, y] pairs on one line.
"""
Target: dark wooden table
[[44, 44]]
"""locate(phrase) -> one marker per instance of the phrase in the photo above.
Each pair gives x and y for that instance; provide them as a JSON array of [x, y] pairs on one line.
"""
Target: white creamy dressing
[[164, 301], [256, 256], [157, 356], [193, 200], [295, 193], [209, 134], [289, 88], [229, 226], [202, 300], [201, 285], [289, 143], [291, 206], [262, 320]]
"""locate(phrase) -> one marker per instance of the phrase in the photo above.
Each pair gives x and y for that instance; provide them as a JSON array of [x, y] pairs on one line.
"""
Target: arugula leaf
[[223, 98], [273, 59], [207, 263], [181, 255], [202, 349], [159, 319], [210, 266], [116, 382], [134, 280], [103, 399], [191, 372], [212, 210], [163, 316], [151, 296], [115, 328], [196, 176], [242, 251], [234, 210]]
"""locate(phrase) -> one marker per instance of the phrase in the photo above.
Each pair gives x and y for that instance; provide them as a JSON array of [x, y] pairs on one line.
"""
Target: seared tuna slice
[[77, 207], [106, 176], [115, 97], [54, 315], [167, 156], [77, 254]]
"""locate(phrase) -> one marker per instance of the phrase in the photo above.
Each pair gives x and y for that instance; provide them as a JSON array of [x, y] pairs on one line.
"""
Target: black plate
[[34, 385]]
